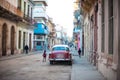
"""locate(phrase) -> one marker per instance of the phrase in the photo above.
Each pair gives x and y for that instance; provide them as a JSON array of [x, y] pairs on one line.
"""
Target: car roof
[[59, 45]]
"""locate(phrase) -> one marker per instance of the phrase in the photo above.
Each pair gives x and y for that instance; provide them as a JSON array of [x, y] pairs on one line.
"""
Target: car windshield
[[60, 48]]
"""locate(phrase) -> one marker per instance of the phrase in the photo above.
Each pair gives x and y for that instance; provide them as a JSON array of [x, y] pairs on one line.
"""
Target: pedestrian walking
[[26, 49], [48, 47], [79, 52], [44, 56]]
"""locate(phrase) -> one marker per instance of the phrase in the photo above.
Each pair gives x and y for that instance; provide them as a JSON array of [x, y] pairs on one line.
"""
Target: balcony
[[51, 34], [28, 19], [76, 30], [77, 13], [44, 1], [40, 29], [41, 15], [87, 4], [9, 11]]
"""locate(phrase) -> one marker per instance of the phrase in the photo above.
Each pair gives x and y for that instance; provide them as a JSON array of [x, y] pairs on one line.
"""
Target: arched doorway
[[12, 39], [4, 39]]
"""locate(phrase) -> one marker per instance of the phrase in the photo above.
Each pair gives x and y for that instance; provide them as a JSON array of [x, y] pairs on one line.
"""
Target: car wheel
[[51, 62], [70, 62]]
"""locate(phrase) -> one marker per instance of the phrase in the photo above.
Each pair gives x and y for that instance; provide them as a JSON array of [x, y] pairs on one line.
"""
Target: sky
[[62, 13]]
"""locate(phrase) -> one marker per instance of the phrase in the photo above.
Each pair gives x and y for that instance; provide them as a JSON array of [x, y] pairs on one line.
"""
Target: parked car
[[60, 53]]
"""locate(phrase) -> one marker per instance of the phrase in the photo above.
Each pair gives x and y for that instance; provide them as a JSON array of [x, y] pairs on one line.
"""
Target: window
[[58, 48], [30, 40], [28, 10], [110, 31], [38, 43], [102, 28], [39, 37], [24, 8], [31, 12], [19, 4]]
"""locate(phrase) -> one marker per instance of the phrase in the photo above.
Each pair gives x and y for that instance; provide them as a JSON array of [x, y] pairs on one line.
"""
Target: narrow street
[[31, 67], [88, 27]]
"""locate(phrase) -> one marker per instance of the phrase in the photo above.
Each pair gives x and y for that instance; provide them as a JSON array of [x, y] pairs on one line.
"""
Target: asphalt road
[[32, 68]]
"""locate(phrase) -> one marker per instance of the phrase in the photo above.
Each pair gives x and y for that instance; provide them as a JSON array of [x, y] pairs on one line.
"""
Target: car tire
[[70, 62], [51, 62]]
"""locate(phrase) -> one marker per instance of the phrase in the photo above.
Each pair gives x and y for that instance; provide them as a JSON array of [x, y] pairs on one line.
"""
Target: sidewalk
[[18, 55], [83, 70]]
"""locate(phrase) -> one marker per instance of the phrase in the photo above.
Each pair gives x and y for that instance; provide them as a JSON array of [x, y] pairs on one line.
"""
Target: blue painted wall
[[40, 28]]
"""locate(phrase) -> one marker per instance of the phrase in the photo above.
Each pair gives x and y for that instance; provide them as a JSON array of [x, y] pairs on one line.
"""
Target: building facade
[[52, 33], [78, 22], [59, 34], [11, 16], [40, 36], [101, 35], [25, 27], [108, 31], [41, 29]]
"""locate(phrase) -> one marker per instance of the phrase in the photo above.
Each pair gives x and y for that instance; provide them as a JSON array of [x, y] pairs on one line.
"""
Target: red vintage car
[[60, 53]]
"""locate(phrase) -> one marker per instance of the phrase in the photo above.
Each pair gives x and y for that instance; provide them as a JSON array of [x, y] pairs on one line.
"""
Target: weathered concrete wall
[[8, 43], [107, 63]]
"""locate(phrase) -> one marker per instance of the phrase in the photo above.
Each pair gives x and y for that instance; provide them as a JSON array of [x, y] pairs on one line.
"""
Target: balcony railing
[[29, 20], [9, 7]]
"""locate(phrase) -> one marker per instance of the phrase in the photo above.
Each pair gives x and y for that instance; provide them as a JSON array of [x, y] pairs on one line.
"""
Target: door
[[4, 39]]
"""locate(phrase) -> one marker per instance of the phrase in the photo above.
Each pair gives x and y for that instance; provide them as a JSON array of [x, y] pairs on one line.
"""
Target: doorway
[[30, 41], [12, 39], [23, 40], [4, 39]]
